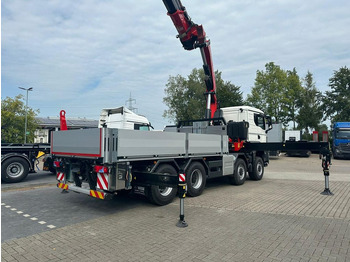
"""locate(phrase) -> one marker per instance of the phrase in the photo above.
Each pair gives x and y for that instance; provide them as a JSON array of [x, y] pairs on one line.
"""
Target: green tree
[[269, 93], [336, 103], [227, 93], [185, 100], [13, 120], [292, 96], [310, 112]]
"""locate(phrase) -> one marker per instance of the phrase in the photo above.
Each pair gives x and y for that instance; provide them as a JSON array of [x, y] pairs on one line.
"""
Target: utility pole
[[129, 102], [26, 112]]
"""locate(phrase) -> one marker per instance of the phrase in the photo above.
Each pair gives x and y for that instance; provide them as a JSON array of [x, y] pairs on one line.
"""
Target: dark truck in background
[[341, 139], [18, 160]]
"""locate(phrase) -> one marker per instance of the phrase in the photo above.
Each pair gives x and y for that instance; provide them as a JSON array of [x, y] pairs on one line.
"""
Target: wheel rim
[[241, 172], [259, 169], [165, 191], [196, 179], [15, 170]]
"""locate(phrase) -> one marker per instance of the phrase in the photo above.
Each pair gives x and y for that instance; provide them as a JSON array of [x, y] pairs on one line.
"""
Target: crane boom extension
[[193, 36]]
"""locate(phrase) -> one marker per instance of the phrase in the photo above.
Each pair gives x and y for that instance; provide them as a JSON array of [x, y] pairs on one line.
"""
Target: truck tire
[[195, 179], [308, 154], [162, 195], [335, 155], [14, 169], [240, 173], [258, 169]]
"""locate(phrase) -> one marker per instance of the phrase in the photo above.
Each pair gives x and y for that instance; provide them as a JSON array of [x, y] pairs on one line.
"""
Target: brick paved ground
[[270, 220]]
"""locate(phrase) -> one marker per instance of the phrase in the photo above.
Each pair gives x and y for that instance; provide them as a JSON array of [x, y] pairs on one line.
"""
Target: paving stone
[[269, 220]]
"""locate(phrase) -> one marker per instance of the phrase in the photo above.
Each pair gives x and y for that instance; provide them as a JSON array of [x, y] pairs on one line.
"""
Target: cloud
[[84, 56]]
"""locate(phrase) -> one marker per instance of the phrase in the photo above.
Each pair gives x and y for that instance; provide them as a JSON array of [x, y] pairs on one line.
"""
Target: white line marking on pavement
[[27, 215]]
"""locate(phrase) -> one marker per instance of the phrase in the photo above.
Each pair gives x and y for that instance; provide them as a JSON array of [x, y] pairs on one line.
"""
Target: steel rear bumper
[[86, 191]]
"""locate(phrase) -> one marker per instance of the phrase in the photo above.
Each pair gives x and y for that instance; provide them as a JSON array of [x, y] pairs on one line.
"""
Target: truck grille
[[345, 147]]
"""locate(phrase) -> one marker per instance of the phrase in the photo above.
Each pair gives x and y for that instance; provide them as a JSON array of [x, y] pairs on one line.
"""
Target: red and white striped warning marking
[[182, 177], [60, 176], [102, 181]]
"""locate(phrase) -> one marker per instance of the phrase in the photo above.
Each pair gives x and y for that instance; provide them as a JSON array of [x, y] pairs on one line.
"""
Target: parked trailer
[[275, 135], [294, 136], [18, 160]]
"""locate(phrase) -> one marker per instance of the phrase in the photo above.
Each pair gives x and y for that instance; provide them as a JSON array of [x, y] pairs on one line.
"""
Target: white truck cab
[[256, 118], [123, 118]]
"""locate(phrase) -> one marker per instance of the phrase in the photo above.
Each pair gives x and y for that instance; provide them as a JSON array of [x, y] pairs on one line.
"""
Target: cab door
[[257, 127]]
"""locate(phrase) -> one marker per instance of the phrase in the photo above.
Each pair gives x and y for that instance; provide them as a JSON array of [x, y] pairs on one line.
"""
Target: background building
[[46, 125]]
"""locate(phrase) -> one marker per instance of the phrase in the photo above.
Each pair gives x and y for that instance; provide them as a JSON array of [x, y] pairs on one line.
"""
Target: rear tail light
[[57, 163], [101, 169]]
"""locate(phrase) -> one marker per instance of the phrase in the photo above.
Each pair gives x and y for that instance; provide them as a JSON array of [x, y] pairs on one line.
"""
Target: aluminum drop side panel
[[85, 142], [132, 143]]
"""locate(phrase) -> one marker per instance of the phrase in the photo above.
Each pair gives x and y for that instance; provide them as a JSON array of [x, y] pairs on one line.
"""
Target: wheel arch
[[12, 155], [182, 164], [171, 162], [199, 160], [245, 158]]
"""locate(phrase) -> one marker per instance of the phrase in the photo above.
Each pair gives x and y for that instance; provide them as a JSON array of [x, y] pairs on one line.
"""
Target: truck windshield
[[343, 134]]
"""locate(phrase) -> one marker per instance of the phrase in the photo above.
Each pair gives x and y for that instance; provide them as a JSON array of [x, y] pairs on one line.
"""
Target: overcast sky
[[83, 56]]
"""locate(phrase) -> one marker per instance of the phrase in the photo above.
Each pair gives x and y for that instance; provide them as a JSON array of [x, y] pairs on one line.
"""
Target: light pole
[[25, 124]]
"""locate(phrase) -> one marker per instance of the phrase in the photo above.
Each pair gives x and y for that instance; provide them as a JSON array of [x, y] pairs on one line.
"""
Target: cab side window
[[141, 127], [259, 120]]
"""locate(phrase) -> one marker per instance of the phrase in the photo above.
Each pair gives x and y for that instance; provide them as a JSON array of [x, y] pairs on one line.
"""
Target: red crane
[[193, 36], [63, 122]]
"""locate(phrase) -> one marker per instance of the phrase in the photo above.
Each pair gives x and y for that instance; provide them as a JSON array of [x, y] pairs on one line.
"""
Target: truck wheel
[[14, 170], [240, 173], [335, 155], [258, 169], [162, 195], [196, 179]]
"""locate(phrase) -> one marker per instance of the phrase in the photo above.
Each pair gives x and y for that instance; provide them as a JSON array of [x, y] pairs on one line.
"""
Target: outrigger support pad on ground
[[182, 189], [327, 192], [326, 161], [64, 191]]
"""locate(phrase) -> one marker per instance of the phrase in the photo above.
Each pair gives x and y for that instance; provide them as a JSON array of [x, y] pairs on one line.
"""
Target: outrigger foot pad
[[327, 192], [182, 223], [64, 191]]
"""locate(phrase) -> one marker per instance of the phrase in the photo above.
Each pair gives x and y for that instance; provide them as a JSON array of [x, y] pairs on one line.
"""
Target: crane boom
[[193, 36]]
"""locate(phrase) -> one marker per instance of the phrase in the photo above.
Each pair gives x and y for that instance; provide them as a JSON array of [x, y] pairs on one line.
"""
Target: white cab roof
[[245, 108], [120, 114]]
